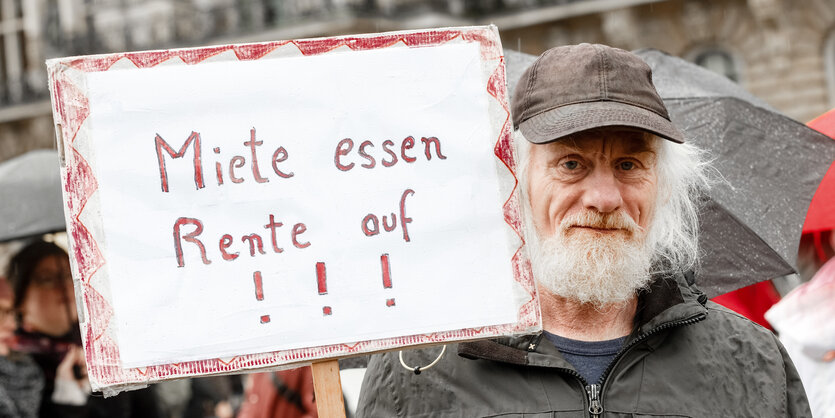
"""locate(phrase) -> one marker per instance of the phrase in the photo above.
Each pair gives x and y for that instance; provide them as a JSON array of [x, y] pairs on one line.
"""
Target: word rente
[[226, 241]]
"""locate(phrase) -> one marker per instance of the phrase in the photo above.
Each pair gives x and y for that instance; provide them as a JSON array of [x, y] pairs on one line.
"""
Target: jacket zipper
[[594, 392], [595, 408]]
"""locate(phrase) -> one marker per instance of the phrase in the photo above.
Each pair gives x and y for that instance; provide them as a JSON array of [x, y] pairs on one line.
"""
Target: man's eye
[[626, 165], [571, 164]]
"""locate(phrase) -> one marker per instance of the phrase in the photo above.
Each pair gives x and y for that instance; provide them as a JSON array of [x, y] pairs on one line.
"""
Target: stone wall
[[21, 136], [778, 45]]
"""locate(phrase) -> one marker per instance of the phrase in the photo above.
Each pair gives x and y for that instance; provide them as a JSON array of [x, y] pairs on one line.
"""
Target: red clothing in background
[[751, 301], [282, 394]]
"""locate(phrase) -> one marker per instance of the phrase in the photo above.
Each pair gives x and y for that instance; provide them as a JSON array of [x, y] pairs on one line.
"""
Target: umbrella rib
[[745, 227]]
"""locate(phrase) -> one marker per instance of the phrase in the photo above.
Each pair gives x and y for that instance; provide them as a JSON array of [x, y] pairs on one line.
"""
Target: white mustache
[[594, 219]]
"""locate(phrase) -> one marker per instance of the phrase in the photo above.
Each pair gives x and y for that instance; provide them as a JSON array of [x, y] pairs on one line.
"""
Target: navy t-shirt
[[589, 358]]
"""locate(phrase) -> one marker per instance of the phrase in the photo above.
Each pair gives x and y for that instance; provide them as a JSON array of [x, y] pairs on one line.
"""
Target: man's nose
[[602, 192]]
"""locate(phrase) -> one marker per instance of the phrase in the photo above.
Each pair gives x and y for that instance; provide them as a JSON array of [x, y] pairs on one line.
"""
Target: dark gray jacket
[[686, 357]]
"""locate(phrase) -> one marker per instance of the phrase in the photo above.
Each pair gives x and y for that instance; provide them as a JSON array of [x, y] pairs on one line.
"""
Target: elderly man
[[609, 190]]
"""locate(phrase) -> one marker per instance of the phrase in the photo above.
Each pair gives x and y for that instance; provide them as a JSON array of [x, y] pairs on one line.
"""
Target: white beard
[[595, 268]]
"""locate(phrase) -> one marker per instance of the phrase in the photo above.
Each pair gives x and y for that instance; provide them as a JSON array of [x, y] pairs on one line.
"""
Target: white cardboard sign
[[290, 201]]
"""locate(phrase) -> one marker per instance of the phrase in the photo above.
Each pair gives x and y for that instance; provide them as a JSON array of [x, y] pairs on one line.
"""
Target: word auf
[[280, 155], [226, 240], [371, 224], [344, 147]]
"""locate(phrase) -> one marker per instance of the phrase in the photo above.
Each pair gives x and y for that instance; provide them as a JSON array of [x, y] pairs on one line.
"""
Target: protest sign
[[264, 205]]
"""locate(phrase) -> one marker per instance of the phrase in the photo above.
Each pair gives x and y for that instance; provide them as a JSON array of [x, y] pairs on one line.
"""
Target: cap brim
[[560, 122]]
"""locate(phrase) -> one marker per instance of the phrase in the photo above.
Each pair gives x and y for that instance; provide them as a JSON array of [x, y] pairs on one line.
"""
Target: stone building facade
[[781, 50]]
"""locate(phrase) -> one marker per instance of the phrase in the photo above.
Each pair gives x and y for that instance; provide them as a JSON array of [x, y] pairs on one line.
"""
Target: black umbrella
[[771, 166], [30, 192]]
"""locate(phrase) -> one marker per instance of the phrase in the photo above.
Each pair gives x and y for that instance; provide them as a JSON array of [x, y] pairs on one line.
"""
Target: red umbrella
[[821, 214]]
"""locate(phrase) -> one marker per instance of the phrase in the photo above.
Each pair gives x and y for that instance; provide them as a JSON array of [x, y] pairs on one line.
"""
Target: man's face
[[600, 172], [592, 201]]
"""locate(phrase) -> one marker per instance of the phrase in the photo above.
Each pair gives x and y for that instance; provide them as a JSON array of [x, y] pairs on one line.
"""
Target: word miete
[[238, 161]]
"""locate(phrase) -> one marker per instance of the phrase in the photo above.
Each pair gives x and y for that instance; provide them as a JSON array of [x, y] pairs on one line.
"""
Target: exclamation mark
[[384, 262], [322, 281], [259, 293]]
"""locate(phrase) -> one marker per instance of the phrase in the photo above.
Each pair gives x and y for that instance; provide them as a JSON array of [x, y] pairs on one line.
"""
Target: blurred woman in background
[[42, 281], [49, 332]]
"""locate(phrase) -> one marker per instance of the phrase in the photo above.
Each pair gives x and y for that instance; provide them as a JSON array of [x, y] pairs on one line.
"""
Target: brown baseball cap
[[570, 89]]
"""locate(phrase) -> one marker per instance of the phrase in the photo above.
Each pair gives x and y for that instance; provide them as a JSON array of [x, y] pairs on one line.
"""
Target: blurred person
[[21, 380], [214, 396], [48, 331], [173, 397], [40, 273], [804, 322], [281, 394]]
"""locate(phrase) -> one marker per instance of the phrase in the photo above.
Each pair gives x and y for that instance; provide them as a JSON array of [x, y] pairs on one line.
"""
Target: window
[[718, 61], [12, 59], [829, 66]]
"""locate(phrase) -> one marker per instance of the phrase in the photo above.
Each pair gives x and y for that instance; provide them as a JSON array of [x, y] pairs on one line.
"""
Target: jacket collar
[[669, 299]]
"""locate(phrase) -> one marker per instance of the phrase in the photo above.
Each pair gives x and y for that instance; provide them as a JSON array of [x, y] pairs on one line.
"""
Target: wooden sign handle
[[328, 389]]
